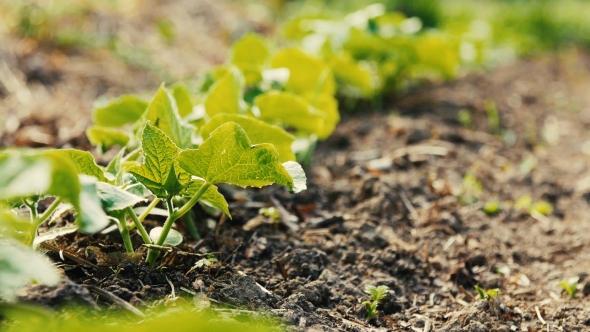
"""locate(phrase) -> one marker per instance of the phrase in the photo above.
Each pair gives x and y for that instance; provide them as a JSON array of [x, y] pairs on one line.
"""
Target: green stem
[[172, 216], [32, 206], [139, 225], [39, 220], [125, 234], [189, 220], [149, 208]]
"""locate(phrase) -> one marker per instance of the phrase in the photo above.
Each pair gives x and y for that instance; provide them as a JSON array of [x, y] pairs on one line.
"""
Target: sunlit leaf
[[119, 112], [183, 99], [162, 113], [158, 172], [225, 96], [290, 109], [258, 132], [84, 162], [306, 72], [104, 137], [211, 196], [249, 54], [228, 156]]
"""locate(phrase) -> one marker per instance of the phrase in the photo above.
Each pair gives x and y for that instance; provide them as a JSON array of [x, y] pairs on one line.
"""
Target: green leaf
[[124, 110], [225, 96], [211, 196], [53, 234], [158, 172], [328, 106], [104, 137], [350, 72], [84, 162], [115, 168], [91, 217], [12, 225], [258, 132], [306, 72], [228, 156], [20, 265], [183, 99], [249, 54], [24, 176], [173, 239], [542, 207], [162, 113], [292, 110], [298, 175], [114, 198]]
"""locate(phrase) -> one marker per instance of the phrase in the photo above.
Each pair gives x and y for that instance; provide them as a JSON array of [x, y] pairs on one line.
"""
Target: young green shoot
[[376, 294], [570, 286]]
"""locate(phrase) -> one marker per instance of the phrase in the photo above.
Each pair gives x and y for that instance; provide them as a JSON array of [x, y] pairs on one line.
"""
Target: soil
[[385, 206]]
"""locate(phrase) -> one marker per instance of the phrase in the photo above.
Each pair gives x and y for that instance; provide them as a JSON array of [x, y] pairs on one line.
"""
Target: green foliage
[[228, 156], [159, 171], [489, 294], [20, 265], [491, 208], [25, 318], [376, 294], [124, 110], [570, 286], [258, 131]]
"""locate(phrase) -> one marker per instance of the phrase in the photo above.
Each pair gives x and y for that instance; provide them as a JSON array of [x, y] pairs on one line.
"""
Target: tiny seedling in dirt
[[491, 208], [489, 294], [570, 286], [376, 294]]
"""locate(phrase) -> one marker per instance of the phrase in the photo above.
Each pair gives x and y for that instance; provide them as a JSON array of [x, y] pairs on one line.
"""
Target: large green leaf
[[228, 156], [104, 137], [258, 132], [158, 171], [119, 112], [290, 109], [183, 99], [91, 217], [20, 265], [249, 54], [114, 198], [162, 113], [306, 72], [351, 72], [211, 196], [328, 105], [84, 162], [225, 96]]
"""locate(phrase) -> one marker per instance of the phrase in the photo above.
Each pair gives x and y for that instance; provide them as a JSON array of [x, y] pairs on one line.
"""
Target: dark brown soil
[[383, 208]]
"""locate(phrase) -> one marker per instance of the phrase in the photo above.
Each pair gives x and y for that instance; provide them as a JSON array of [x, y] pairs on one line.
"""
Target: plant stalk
[[172, 216], [137, 222], [125, 234], [149, 208], [41, 219]]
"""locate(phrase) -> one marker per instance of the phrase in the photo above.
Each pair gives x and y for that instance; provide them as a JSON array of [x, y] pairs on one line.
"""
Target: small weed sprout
[[570, 286], [376, 295], [203, 262], [489, 294]]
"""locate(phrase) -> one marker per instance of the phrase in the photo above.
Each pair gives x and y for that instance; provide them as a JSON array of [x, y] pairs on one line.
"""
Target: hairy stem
[[139, 225], [172, 216], [125, 234]]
